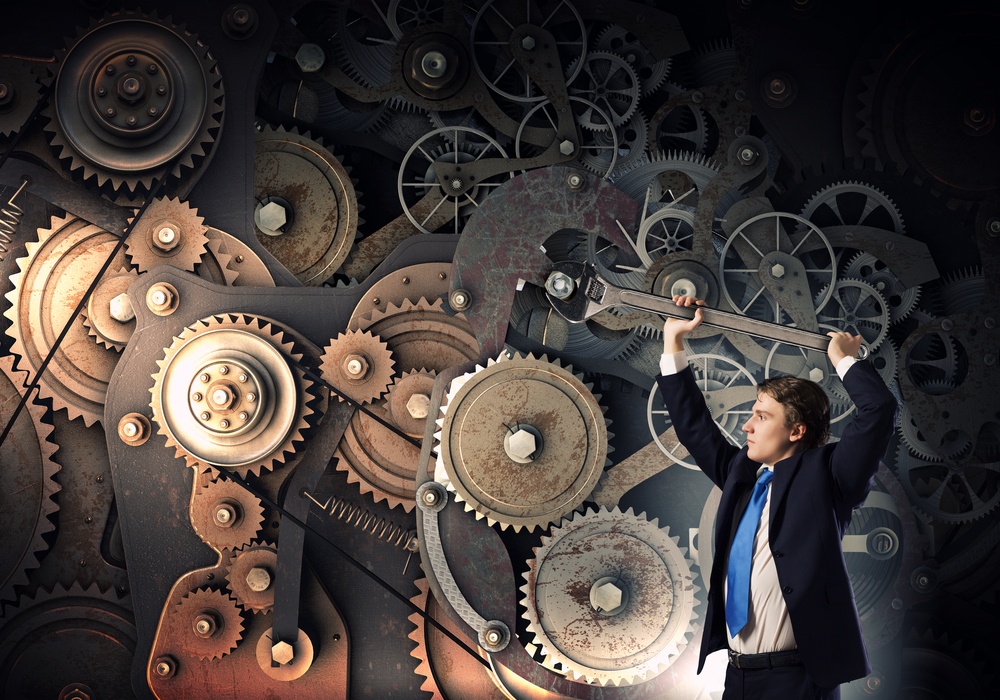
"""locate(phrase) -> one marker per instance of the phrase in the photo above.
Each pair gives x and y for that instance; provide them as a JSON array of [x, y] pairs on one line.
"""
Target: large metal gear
[[523, 441], [206, 623], [853, 204], [19, 93], [133, 94], [307, 212], [609, 82], [27, 483], [610, 597], [169, 232], [225, 515], [957, 490], [358, 365], [52, 280], [229, 394]]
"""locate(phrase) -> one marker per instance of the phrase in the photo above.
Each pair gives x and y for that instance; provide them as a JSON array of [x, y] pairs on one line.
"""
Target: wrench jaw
[[583, 299]]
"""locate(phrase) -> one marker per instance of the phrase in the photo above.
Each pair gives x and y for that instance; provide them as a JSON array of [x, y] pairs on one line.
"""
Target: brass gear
[[170, 232], [523, 441], [99, 319], [358, 365], [132, 94], [27, 486], [309, 188], [251, 577], [206, 624], [53, 278], [225, 515], [610, 597], [229, 394]]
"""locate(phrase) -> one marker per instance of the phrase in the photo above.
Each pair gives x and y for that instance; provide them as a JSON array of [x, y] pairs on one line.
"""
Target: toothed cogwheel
[[19, 93], [358, 365], [856, 307], [646, 176], [949, 491], [650, 70], [52, 280], [900, 299], [610, 83], [54, 638], [523, 441], [610, 597], [109, 317], [251, 577], [307, 212], [134, 93], [853, 203], [27, 483], [229, 394], [169, 232], [206, 624], [225, 515]]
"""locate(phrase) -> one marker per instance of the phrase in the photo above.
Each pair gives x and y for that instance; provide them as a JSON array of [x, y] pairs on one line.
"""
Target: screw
[[354, 367], [244, 415], [740, 95], [224, 423], [166, 235], [430, 497], [131, 86], [131, 120], [406, 280], [251, 397], [242, 378], [575, 181], [697, 96], [777, 270], [434, 64], [947, 324], [205, 415], [777, 87], [493, 636], [241, 17], [161, 90], [153, 69], [224, 515], [164, 669], [204, 626], [460, 300], [224, 369], [196, 396], [102, 91], [747, 155], [152, 111], [130, 429], [110, 112], [110, 70], [159, 297], [204, 377]]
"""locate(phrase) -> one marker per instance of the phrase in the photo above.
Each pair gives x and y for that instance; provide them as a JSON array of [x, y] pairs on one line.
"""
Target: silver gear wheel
[[608, 81], [523, 441], [949, 491], [900, 299], [652, 72], [229, 394], [52, 280], [610, 597], [132, 94], [855, 307], [853, 204]]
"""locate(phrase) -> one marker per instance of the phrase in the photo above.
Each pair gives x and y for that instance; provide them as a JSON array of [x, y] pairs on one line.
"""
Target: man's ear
[[798, 432]]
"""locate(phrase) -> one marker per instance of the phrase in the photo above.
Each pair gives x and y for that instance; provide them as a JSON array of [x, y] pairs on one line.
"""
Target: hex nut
[[162, 299], [528, 43], [567, 147], [273, 216], [816, 374], [283, 652], [418, 406], [134, 429], [521, 446], [121, 308], [310, 57], [460, 299], [165, 666], [607, 597], [777, 270]]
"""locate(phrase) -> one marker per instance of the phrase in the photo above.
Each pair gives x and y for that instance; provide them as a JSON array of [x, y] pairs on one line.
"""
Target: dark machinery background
[[287, 411]]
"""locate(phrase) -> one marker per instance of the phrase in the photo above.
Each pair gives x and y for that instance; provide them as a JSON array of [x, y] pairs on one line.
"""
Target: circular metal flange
[[134, 429], [301, 654]]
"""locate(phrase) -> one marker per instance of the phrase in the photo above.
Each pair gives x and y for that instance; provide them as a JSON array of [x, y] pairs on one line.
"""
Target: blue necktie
[[741, 557]]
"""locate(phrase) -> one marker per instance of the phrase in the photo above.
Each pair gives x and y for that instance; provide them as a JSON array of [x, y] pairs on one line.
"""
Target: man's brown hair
[[805, 402]]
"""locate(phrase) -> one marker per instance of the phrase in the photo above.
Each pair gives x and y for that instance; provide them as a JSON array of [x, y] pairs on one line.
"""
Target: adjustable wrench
[[577, 293]]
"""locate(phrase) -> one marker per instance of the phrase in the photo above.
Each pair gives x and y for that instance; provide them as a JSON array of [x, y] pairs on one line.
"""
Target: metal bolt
[[224, 423], [456, 183], [225, 515], [747, 155], [355, 366], [575, 181], [418, 406], [131, 120], [990, 359], [131, 429], [567, 147], [777, 271], [272, 216], [224, 369], [205, 415], [777, 87], [258, 579], [164, 668], [251, 397], [283, 653], [121, 308], [161, 90], [947, 324], [241, 17], [166, 235], [528, 43], [159, 297], [242, 378], [993, 225], [697, 96], [110, 112], [196, 396], [131, 86], [153, 69], [816, 374], [606, 597], [460, 300], [152, 111], [740, 95], [110, 70], [406, 280], [244, 415], [560, 285], [204, 626], [434, 64], [130, 59], [310, 57], [430, 497], [102, 91], [493, 636], [521, 446]]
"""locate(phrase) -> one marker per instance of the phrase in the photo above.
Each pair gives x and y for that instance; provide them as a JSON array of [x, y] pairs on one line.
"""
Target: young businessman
[[779, 595]]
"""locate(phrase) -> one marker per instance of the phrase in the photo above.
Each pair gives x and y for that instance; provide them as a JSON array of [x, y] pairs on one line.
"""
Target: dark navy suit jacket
[[813, 495]]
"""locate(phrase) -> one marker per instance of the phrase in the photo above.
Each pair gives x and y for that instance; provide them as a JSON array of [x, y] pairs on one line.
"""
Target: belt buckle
[[734, 658]]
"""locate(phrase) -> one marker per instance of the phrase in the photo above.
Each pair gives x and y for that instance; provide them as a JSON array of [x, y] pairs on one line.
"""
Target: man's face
[[769, 440]]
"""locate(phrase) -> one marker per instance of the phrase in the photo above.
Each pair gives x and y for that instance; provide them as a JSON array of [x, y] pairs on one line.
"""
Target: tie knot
[[765, 476]]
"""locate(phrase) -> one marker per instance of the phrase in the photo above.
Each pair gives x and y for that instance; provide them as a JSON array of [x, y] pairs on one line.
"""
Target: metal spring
[[10, 217], [371, 523]]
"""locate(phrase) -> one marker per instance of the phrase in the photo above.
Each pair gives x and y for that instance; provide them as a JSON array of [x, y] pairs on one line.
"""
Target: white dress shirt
[[768, 627]]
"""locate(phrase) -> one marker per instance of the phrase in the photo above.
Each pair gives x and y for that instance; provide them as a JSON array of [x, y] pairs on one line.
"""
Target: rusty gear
[[170, 232], [312, 195], [523, 441], [27, 485], [251, 577], [358, 365], [52, 279], [229, 394], [206, 623], [106, 317], [610, 597], [408, 400], [19, 93], [133, 94], [225, 515]]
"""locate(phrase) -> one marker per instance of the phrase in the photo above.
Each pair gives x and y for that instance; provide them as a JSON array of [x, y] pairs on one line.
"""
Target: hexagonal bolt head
[[418, 405], [283, 653], [777, 270], [434, 64], [204, 626], [607, 596], [528, 43], [567, 147], [273, 216], [121, 308], [816, 374], [560, 285], [225, 515], [521, 445], [258, 579], [310, 57]]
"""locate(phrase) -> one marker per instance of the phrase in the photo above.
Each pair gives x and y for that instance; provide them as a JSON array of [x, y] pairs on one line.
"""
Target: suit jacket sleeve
[[856, 457], [694, 425]]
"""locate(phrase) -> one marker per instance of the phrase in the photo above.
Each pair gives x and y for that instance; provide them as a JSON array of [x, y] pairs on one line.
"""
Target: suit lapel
[[783, 473]]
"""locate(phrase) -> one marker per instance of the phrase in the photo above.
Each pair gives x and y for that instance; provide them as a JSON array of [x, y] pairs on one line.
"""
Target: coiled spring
[[358, 517], [10, 217]]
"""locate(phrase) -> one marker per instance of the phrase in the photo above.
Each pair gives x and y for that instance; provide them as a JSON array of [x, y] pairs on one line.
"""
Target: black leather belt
[[770, 660]]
